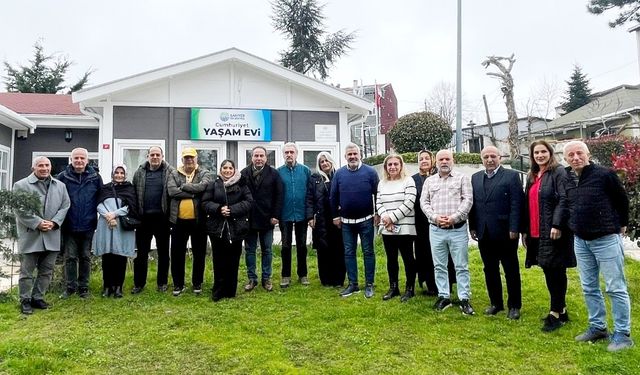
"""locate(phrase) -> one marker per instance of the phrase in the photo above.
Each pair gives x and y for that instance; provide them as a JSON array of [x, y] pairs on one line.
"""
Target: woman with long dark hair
[[112, 242], [327, 238], [226, 203], [548, 240]]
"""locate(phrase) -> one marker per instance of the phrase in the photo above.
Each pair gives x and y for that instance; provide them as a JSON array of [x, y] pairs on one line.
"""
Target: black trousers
[[114, 268], [331, 268], [286, 229], [505, 252], [424, 262], [153, 225], [556, 278], [403, 244], [226, 261], [180, 234]]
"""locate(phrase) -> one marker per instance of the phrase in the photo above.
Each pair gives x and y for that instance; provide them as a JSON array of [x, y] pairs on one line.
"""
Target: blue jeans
[[456, 243], [350, 234], [606, 255], [250, 246], [77, 259]]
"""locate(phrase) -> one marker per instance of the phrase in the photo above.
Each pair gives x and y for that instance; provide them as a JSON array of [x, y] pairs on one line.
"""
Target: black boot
[[408, 294], [107, 291], [117, 292], [393, 291]]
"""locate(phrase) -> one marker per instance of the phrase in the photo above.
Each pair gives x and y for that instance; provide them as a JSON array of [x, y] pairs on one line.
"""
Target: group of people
[[565, 216]]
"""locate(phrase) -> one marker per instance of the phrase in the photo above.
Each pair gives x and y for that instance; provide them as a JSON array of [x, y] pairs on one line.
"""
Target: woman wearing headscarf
[[548, 240], [226, 203], [327, 238], [112, 242]]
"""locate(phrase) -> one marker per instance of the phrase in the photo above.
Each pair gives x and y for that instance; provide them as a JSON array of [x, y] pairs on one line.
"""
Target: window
[[4, 168], [133, 152], [309, 152], [60, 160], [274, 153], [210, 154]]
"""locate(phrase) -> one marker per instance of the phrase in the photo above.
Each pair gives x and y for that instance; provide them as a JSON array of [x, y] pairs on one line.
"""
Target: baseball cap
[[189, 151]]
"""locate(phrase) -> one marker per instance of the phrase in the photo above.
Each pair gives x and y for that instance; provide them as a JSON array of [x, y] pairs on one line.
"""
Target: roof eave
[[15, 121], [232, 54]]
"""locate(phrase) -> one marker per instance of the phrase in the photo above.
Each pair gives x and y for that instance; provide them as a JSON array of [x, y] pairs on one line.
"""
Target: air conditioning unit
[[22, 134]]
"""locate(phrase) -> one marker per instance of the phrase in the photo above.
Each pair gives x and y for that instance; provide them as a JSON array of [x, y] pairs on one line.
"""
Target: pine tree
[[301, 22], [629, 10], [578, 93], [45, 74]]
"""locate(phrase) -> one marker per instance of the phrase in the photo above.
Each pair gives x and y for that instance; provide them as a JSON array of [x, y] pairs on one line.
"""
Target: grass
[[305, 330]]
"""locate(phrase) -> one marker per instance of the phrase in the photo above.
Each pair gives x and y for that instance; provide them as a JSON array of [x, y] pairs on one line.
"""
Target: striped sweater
[[396, 198]]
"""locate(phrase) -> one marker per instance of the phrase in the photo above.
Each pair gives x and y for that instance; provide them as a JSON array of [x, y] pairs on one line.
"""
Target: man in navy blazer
[[494, 221]]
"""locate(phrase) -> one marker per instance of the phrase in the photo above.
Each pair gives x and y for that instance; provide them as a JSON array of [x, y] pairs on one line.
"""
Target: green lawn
[[305, 330]]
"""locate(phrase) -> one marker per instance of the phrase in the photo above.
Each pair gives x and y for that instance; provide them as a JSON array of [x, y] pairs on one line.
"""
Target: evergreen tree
[[301, 22], [45, 74], [578, 93], [420, 130], [629, 10]]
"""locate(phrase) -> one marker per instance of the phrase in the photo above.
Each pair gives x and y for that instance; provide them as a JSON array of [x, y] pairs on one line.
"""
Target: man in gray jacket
[[39, 233]]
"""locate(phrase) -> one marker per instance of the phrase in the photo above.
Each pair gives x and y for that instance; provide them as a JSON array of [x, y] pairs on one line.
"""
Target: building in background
[[372, 133], [57, 126]]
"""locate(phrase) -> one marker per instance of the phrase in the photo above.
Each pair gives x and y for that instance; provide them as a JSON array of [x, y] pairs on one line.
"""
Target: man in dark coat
[[83, 185], [267, 191], [599, 215], [494, 221], [150, 181]]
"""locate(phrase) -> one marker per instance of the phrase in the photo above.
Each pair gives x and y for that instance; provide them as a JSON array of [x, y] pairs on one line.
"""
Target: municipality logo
[[224, 116]]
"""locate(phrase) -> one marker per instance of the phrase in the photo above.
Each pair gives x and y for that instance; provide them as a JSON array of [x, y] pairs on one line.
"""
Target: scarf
[[125, 191], [232, 180]]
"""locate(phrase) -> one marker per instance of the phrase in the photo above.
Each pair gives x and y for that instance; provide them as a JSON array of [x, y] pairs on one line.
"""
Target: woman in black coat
[[327, 238], [226, 203], [548, 240]]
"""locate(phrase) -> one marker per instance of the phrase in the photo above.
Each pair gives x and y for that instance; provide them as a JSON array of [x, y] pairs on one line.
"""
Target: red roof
[[39, 104]]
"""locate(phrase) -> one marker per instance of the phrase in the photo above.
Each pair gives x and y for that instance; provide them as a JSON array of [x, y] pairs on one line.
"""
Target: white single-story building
[[222, 104]]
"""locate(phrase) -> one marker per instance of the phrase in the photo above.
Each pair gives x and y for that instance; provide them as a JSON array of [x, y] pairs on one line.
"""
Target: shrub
[[10, 201], [627, 165], [412, 157], [604, 148], [420, 130]]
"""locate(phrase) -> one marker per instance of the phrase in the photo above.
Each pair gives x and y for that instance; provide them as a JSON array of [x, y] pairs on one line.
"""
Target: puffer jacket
[[238, 198], [319, 208], [139, 182], [83, 189], [553, 214], [178, 189]]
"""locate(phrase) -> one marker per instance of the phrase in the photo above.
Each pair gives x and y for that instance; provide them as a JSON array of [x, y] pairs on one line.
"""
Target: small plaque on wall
[[325, 133]]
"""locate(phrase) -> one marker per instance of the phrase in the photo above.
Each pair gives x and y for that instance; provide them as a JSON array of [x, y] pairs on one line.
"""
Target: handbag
[[127, 222]]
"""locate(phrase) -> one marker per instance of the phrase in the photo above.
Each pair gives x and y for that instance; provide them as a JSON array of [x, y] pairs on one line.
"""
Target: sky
[[408, 43]]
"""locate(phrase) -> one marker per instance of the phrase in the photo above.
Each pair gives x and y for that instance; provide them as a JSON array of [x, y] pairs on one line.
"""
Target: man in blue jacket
[[295, 177], [83, 184]]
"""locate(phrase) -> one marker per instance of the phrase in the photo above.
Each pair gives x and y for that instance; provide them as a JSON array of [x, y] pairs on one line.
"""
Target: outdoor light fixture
[[68, 135]]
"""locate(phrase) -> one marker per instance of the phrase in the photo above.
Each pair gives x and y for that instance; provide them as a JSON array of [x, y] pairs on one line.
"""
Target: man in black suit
[[494, 221]]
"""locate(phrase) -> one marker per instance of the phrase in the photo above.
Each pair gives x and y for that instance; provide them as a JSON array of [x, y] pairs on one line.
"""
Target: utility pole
[[459, 83]]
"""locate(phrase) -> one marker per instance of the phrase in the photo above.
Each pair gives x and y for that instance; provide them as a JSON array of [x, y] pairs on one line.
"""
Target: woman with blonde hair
[[327, 238], [547, 237], [395, 203]]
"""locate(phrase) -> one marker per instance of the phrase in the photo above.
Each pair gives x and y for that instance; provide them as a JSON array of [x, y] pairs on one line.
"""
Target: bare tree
[[442, 101], [507, 90]]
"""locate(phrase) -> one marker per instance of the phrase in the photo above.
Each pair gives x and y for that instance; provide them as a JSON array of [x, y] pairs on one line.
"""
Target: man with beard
[[446, 200]]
